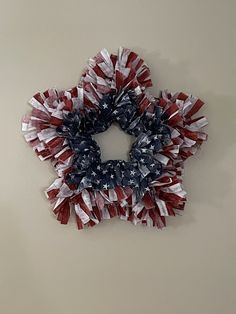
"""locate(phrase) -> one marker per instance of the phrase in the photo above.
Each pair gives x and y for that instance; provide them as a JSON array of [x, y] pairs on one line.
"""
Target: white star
[[147, 189], [141, 160], [155, 137], [132, 172], [98, 181], [105, 106], [131, 181], [116, 111], [152, 165], [144, 150], [151, 147], [98, 167], [118, 118], [112, 176], [94, 174], [104, 171], [147, 141], [105, 186]]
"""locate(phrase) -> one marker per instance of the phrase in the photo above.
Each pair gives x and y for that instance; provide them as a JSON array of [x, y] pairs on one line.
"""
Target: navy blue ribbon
[[149, 129]]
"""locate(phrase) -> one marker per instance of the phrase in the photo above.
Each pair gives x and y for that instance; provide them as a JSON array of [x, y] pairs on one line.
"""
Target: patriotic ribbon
[[113, 88]]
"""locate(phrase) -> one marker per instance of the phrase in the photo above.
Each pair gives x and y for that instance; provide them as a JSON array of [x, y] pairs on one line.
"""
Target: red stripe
[[148, 201], [195, 108], [55, 121], [182, 96]]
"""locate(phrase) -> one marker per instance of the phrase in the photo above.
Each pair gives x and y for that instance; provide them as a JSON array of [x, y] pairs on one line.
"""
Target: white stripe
[[82, 215], [36, 104], [86, 199], [30, 136], [46, 133], [162, 207], [163, 159], [138, 207], [112, 195], [62, 151]]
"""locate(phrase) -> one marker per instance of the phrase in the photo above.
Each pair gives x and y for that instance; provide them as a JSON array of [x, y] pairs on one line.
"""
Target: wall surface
[[115, 267]]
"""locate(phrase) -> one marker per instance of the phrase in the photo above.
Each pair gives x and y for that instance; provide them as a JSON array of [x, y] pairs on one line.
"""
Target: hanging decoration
[[114, 89]]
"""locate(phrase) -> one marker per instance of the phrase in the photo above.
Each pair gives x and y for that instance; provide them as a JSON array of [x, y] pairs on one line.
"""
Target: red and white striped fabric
[[106, 73], [39, 127]]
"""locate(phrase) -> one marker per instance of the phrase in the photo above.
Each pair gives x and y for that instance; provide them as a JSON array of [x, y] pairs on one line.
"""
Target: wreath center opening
[[114, 143]]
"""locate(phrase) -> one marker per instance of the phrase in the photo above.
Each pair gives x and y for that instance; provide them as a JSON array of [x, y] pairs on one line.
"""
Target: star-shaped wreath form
[[145, 189]]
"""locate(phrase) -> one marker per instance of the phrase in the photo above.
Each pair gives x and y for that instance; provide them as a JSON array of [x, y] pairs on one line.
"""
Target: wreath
[[145, 189]]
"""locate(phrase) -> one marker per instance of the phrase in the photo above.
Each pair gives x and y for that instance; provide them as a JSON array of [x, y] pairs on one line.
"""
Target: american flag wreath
[[113, 88]]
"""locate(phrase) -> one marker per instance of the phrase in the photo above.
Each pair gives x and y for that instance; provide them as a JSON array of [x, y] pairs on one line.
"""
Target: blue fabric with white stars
[[143, 167]]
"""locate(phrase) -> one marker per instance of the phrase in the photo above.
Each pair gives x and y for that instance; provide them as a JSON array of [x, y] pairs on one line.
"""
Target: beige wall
[[188, 268]]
